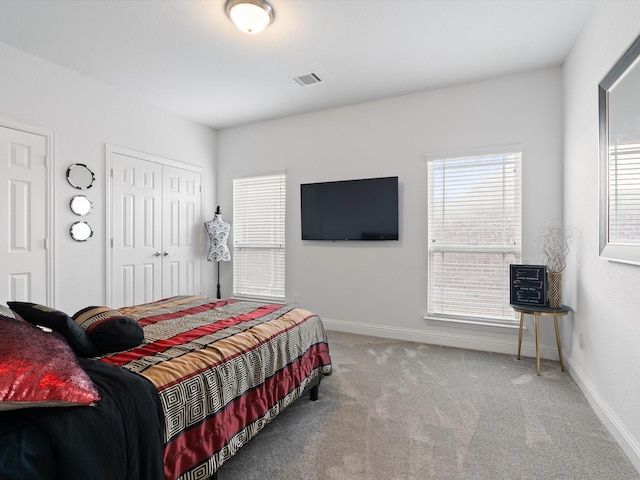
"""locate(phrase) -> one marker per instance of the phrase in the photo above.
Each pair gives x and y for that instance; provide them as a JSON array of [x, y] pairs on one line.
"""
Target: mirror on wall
[[619, 110], [81, 205], [80, 176], [81, 231]]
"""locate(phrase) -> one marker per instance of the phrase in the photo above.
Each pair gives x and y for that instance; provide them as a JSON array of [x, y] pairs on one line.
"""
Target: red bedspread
[[223, 369]]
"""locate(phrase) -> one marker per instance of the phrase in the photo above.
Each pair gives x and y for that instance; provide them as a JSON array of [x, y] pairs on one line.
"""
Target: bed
[[197, 379]]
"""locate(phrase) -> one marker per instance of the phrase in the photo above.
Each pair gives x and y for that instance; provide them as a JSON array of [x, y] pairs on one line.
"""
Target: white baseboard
[[458, 337], [625, 439]]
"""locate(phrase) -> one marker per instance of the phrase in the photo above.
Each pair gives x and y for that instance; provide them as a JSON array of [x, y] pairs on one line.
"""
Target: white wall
[[380, 287], [85, 116], [604, 294]]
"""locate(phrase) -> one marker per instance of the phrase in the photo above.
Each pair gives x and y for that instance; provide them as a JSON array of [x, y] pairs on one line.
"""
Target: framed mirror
[[81, 231], [80, 176], [81, 205], [619, 111]]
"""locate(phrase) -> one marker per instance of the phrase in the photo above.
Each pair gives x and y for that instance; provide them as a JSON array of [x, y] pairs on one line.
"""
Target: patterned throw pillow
[[39, 369], [57, 321], [109, 330]]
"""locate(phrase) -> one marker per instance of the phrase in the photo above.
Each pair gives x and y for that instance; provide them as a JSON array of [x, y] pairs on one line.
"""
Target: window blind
[[474, 234], [259, 237], [624, 193]]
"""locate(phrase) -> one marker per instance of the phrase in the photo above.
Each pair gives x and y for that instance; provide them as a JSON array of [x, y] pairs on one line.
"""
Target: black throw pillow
[[109, 330], [57, 321]]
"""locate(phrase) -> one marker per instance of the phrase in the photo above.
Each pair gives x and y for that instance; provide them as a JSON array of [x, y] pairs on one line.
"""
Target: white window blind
[[474, 233], [259, 237], [624, 193]]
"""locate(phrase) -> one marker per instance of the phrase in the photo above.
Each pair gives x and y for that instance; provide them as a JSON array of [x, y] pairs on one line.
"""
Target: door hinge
[[111, 242]]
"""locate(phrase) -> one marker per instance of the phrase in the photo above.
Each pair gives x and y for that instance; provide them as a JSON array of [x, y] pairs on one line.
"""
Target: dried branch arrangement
[[556, 241]]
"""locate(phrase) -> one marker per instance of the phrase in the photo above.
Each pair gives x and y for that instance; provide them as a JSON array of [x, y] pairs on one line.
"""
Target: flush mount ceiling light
[[250, 16]]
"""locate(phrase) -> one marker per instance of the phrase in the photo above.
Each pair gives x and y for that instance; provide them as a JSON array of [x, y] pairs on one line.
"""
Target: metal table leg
[[555, 323], [538, 344], [520, 334]]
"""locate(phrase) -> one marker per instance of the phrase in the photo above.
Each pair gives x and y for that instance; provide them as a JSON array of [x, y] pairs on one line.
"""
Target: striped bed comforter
[[223, 369]]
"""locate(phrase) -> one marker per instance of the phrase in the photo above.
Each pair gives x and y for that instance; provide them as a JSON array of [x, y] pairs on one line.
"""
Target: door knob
[[157, 254], [165, 253]]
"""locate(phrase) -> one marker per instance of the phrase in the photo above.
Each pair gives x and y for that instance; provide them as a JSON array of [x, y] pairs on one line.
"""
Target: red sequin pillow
[[39, 369]]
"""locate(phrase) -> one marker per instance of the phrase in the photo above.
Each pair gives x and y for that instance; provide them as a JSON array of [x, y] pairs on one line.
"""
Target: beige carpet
[[402, 410]]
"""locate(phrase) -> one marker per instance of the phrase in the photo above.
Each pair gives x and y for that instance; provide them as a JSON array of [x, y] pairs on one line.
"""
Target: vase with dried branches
[[556, 241]]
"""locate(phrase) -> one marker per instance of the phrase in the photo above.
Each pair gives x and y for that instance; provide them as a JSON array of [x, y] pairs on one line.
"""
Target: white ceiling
[[187, 57]]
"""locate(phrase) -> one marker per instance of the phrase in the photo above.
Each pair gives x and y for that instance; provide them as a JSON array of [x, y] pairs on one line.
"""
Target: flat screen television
[[365, 209]]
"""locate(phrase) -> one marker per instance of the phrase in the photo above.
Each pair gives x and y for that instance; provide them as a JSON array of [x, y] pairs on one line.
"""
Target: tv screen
[[365, 209]]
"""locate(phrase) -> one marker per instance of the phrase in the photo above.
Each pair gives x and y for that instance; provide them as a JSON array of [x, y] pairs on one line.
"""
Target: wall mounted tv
[[365, 209]]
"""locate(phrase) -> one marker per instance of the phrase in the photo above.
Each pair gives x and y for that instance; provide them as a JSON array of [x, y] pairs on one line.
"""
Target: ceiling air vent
[[307, 79]]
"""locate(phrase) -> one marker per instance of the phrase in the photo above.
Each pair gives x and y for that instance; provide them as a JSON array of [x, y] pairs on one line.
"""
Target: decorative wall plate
[[80, 176], [81, 231], [81, 205]]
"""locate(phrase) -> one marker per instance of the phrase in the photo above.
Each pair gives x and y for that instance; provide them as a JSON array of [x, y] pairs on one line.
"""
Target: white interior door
[[23, 243], [182, 231], [136, 276], [156, 230]]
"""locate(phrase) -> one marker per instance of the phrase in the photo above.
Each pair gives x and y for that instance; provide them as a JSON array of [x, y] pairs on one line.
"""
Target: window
[[258, 237], [474, 216]]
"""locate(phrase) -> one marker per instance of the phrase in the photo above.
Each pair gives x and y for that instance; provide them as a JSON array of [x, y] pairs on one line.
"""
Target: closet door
[[182, 232], [23, 214], [136, 274], [156, 229]]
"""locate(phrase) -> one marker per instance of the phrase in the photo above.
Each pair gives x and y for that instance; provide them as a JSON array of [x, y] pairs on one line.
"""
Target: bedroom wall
[[379, 288], [604, 294], [85, 116]]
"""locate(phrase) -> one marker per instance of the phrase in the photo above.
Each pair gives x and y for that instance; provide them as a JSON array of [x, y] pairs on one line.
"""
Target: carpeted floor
[[395, 410]]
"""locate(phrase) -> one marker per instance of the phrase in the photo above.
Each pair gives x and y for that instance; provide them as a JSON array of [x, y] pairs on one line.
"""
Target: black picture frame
[[528, 285]]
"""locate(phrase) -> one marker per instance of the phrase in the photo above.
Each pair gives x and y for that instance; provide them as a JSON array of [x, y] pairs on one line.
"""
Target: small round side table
[[541, 311]]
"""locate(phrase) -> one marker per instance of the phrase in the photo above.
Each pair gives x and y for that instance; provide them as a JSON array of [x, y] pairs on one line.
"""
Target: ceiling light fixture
[[250, 16]]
